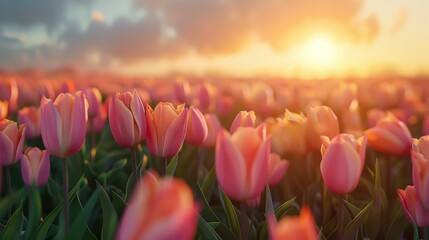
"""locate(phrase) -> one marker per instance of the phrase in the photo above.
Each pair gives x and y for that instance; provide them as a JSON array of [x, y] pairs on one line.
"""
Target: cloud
[[400, 21]]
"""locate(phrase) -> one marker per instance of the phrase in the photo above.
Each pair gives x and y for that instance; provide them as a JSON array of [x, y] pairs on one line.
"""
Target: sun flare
[[320, 50]]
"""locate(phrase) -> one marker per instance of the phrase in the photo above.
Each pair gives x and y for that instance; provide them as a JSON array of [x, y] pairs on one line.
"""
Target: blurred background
[[307, 39]]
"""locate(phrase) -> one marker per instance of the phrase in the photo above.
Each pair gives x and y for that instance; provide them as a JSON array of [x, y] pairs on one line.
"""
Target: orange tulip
[[11, 141], [390, 136], [166, 129], [302, 227], [242, 162], [321, 121], [243, 119], [159, 209], [3, 109], [342, 162]]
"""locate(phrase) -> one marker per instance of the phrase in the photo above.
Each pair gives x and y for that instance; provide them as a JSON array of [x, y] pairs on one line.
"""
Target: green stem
[[164, 164], [341, 213], [426, 233], [243, 215], [92, 141], [389, 177], [134, 160], [65, 195], [9, 191]]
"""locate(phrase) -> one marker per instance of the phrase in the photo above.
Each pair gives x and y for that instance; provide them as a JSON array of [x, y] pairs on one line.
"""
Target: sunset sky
[[288, 38]]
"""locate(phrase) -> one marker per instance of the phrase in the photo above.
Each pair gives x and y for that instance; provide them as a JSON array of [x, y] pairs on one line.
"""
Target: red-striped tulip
[[11, 141], [321, 121], [343, 159], [166, 129], [4, 105], [159, 209], [35, 167], [31, 117], [196, 131], [63, 123], [127, 119], [412, 207], [390, 136], [243, 119], [293, 227], [420, 161], [242, 162]]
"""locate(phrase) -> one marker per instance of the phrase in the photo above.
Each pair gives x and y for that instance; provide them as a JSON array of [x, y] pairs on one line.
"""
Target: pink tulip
[[11, 141], [99, 121], [63, 123], [35, 167], [373, 116], [93, 96], [224, 105], [291, 227], [276, 169], [242, 162], [342, 97], [413, 207], [127, 119], [3, 109], [159, 209], [243, 119], [342, 162], [390, 136], [213, 127], [182, 90], [166, 129], [420, 161], [31, 117], [321, 121], [196, 131]]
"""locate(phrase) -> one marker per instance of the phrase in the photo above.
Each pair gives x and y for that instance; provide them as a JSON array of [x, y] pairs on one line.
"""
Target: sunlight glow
[[320, 50]]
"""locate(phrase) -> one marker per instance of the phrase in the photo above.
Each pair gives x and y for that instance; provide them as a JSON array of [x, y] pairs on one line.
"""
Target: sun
[[320, 50]]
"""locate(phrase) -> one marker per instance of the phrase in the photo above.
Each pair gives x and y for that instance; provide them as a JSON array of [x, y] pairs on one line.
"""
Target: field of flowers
[[107, 157]]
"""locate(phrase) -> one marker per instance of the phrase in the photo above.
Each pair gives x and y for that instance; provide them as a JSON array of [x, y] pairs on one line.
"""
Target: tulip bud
[[3, 109], [243, 119], [420, 162], [390, 136], [93, 96], [412, 207], [31, 117], [166, 129], [242, 162], [342, 162], [63, 123], [302, 227], [11, 141], [321, 121], [127, 119], [196, 131], [159, 209], [35, 167]]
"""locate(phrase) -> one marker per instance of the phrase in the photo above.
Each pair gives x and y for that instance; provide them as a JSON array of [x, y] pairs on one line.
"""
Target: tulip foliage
[[213, 160]]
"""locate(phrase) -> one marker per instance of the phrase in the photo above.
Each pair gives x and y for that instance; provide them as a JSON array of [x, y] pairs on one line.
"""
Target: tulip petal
[[26, 170], [6, 149], [230, 166], [121, 123], [385, 141], [44, 169], [51, 127], [259, 169], [151, 138], [175, 135], [138, 112], [78, 124]]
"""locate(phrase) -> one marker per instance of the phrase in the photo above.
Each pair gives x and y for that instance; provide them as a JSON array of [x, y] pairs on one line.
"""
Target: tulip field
[[87, 156]]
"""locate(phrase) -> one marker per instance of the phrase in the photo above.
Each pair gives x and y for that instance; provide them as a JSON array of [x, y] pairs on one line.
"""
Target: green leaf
[[416, 232], [397, 226], [75, 231], [110, 218], [209, 182], [171, 168], [13, 226], [231, 215], [357, 221], [35, 203], [282, 209], [206, 230], [269, 209], [372, 226], [352, 208], [15, 198], [47, 222], [118, 166]]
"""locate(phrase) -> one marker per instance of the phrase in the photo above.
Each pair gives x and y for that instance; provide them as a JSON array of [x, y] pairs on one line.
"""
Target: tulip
[[390, 136], [196, 131], [276, 169], [93, 96], [166, 129], [351, 119], [342, 97], [11, 141], [159, 209], [3, 109], [213, 128], [242, 162], [420, 162], [31, 117], [321, 121], [302, 227], [63, 123], [412, 207], [182, 90], [99, 121], [373, 116], [9, 92], [243, 119], [224, 105], [342, 162], [127, 119], [35, 167]]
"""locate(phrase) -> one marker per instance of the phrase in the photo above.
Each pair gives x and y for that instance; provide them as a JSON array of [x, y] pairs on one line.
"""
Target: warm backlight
[[320, 50]]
